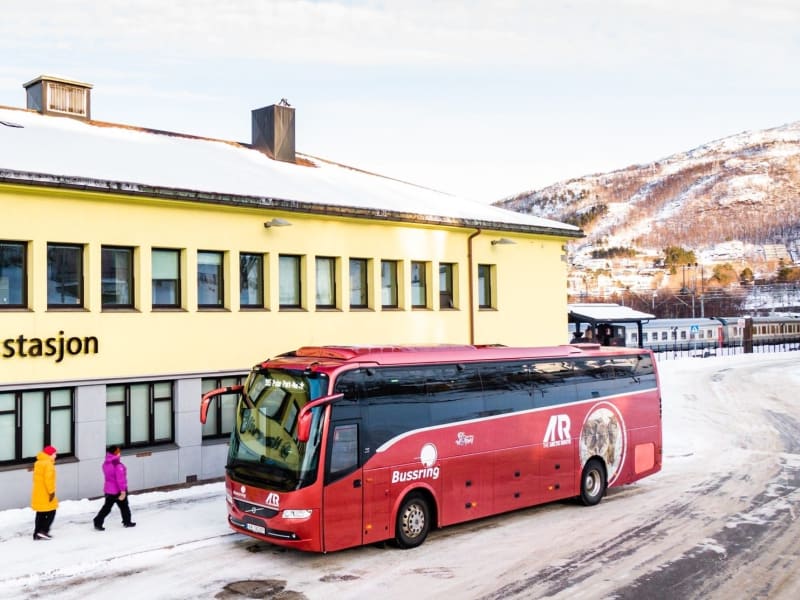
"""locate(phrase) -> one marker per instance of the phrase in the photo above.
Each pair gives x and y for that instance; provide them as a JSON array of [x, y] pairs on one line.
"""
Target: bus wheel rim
[[413, 520], [592, 483]]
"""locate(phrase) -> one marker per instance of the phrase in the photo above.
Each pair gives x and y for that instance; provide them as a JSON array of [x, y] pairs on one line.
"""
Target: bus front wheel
[[413, 521], [593, 482]]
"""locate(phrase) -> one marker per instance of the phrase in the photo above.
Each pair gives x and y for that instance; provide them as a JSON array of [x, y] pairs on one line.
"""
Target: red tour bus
[[335, 446]]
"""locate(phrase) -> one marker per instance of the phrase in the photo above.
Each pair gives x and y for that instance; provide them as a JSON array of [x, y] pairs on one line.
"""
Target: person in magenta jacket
[[115, 489]]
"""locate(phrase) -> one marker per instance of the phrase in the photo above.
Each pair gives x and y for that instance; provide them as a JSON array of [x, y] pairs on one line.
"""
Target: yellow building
[[139, 268]]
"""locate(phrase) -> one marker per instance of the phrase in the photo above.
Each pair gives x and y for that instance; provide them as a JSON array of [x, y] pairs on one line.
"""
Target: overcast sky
[[479, 98]]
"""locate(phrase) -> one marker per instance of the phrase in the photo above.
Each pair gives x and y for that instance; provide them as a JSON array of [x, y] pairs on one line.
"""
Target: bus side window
[[594, 378], [454, 393], [507, 387], [395, 402], [644, 370], [553, 383], [348, 384], [344, 450]]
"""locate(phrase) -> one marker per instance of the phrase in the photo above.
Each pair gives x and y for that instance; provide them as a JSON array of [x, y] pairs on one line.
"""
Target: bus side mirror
[[305, 418], [304, 426], [209, 396], [204, 404]]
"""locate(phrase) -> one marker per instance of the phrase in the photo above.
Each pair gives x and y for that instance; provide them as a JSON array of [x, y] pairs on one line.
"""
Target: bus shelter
[[604, 323]]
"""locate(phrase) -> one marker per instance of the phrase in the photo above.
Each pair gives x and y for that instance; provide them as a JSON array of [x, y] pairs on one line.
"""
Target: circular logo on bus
[[428, 455], [603, 434]]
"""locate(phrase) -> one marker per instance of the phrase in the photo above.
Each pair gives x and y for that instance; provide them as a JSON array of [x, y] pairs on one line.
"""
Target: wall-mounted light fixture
[[276, 222], [503, 242]]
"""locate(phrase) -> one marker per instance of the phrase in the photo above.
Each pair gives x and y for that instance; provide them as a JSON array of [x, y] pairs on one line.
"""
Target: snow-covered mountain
[[743, 188]]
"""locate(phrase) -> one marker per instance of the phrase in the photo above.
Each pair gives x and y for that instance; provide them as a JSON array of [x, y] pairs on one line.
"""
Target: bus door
[[342, 500]]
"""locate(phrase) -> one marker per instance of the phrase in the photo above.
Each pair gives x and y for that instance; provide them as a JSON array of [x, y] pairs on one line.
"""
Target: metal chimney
[[273, 131]]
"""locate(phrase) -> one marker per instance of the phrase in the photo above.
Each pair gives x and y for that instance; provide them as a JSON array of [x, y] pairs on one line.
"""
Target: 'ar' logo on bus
[[557, 433], [273, 500]]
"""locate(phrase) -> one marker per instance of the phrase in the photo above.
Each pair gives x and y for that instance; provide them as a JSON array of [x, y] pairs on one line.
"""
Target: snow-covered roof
[[607, 313], [49, 150]]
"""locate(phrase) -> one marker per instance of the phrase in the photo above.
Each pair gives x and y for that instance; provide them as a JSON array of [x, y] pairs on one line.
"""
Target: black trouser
[[112, 499], [43, 521]]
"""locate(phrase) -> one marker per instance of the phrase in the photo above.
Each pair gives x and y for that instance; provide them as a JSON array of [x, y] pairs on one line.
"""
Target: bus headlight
[[296, 513]]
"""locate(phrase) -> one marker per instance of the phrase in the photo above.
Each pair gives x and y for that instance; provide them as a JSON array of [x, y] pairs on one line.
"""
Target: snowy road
[[719, 521]]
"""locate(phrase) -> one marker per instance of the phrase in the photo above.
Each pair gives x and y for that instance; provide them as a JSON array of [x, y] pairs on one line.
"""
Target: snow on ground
[[191, 522], [165, 520]]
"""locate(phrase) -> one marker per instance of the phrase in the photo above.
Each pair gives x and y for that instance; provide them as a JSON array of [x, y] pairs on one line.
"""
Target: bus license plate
[[255, 528]]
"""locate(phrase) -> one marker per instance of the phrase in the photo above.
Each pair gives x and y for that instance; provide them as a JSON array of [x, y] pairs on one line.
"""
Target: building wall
[[184, 345]]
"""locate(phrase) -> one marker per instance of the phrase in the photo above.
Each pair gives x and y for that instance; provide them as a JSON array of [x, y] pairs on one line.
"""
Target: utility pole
[[702, 291]]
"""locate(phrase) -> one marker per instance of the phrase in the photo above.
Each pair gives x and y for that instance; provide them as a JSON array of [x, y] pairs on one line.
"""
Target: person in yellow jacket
[[43, 494]]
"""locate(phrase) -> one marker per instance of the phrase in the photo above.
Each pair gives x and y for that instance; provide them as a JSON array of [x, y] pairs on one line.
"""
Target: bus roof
[[439, 353]]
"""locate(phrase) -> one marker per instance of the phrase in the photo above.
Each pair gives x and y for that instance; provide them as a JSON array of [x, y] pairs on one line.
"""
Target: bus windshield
[[264, 448]]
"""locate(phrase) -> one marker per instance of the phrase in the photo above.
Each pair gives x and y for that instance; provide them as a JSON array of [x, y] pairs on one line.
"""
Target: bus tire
[[593, 482], [413, 521]]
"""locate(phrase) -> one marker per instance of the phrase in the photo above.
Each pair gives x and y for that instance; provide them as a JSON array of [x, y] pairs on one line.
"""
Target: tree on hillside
[[724, 275], [746, 276], [615, 252], [585, 218], [675, 256], [787, 274]]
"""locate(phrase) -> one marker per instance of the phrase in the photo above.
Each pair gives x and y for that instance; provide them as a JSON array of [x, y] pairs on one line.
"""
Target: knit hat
[[49, 450]]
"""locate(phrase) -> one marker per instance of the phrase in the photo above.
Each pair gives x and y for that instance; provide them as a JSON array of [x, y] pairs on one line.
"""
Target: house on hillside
[[140, 268], [775, 252]]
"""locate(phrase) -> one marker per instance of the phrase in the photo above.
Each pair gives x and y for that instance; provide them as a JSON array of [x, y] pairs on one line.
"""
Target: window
[[67, 99], [117, 277], [507, 387], [394, 401], [359, 296], [251, 280], [389, 291], [419, 285], [13, 275], [344, 451], [166, 278], [139, 414], [485, 299], [446, 297], [606, 376], [455, 393], [326, 282], [221, 418], [289, 273], [552, 382], [210, 280], [33, 419], [64, 276]]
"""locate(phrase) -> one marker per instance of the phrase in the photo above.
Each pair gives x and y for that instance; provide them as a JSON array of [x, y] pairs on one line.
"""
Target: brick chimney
[[273, 131], [54, 96]]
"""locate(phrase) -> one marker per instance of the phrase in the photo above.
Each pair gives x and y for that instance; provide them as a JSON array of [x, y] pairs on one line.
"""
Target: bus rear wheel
[[413, 521], [593, 482]]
